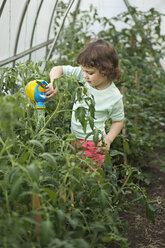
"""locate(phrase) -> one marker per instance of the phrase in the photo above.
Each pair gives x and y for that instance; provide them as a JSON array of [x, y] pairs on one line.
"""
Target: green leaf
[[103, 197], [80, 114], [150, 212], [29, 220], [73, 222], [91, 122], [79, 94], [98, 227], [52, 195], [96, 137], [115, 152], [33, 171], [46, 232], [84, 90], [92, 110], [15, 188], [107, 159], [60, 215], [49, 157], [24, 157], [37, 143], [126, 147]]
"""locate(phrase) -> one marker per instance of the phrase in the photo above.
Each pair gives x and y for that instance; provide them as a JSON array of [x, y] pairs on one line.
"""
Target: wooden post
[[137, 80], [36, 207], [124, 130]]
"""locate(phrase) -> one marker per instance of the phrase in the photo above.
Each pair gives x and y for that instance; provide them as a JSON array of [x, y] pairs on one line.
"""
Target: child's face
[[95, 78]]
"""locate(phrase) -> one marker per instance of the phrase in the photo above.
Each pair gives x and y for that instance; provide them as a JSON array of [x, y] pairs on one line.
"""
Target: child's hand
[[50, 91], [108, 138], [102, 149]]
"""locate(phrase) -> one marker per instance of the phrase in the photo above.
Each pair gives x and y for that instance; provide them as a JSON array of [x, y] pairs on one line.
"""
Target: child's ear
[[103, 73]]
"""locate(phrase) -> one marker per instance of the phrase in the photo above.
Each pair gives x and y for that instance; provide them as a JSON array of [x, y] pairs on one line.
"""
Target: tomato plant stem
[[52, 116]]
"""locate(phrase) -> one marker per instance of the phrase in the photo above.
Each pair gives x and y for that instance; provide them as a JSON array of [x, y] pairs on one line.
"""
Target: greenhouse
[[82, 127]]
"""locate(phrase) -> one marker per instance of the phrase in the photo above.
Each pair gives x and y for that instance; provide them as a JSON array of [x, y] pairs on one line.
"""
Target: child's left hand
[[102, 149], [108, 138]]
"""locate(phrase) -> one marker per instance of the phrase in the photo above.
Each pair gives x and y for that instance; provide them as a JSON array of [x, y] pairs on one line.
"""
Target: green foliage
[[79, 206]]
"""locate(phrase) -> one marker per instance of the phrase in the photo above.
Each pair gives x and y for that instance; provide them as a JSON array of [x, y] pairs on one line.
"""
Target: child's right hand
[[50, 91], [55, 73]]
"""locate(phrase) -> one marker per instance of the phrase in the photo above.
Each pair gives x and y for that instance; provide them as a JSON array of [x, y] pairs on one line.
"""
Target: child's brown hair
[[103, 56]]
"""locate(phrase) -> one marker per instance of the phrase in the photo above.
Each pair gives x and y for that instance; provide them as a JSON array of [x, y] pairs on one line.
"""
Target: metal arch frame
[[50, 23], [26, 52], [2, 6], [19, 28], [127, 3], [60, 28], [34, 26]]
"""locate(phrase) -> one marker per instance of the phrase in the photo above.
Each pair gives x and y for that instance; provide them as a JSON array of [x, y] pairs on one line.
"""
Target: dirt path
[[142, 233]]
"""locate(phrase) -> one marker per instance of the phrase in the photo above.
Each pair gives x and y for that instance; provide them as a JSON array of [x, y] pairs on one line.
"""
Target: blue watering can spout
[[35, 90]]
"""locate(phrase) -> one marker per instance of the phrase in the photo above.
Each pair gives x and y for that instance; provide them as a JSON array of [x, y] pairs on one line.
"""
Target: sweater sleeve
[[73, 72], [117, 113]]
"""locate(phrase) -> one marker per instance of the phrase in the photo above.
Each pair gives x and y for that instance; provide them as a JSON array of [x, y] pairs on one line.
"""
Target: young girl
[[99, 69]]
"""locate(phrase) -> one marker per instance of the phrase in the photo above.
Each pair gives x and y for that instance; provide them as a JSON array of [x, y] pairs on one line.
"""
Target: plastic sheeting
[[35, 30]]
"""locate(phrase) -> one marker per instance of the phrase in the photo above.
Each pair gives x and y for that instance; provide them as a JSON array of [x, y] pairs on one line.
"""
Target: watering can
[[35, 90]]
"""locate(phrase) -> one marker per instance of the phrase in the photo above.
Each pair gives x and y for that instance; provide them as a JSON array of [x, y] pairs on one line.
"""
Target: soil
[[142, 232]]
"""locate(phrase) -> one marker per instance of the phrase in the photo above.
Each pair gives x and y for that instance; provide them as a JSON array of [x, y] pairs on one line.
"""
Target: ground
[[142, 232]]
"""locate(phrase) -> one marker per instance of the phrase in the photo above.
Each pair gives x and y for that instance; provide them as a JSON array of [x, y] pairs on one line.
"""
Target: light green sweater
[[108, 104]]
